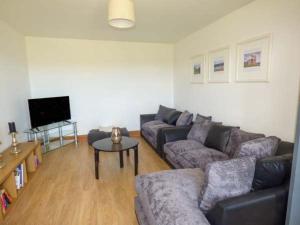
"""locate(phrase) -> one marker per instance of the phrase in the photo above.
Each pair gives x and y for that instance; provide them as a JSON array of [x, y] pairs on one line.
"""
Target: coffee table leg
[[121, 159], [127, 152], [97, 164], [136, 160]]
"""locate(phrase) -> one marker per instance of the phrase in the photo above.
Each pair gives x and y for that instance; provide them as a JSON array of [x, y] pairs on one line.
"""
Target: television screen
[[44, 111]]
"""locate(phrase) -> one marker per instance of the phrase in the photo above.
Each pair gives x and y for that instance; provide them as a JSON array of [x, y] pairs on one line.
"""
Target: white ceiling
[[157, 20]]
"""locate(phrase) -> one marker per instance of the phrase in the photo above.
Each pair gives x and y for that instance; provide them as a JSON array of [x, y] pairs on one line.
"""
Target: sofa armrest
[[144, 118], [266, 207], [175, 133]]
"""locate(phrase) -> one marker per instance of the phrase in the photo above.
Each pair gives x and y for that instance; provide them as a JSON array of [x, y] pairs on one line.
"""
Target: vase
[[116, 136]]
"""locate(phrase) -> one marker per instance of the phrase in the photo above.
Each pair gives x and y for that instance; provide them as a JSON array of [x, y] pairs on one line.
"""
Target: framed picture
[[253, 60], [197, 69], [219, 66]]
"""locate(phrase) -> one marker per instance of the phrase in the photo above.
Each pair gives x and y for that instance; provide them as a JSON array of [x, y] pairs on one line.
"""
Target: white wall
[[109, 83], [14, 82], [263, 107]]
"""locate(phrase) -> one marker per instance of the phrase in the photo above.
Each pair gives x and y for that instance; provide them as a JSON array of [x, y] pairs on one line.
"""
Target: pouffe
[[96, 135]]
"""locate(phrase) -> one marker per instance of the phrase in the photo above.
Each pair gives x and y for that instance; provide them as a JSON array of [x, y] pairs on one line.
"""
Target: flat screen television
[[44, 111]]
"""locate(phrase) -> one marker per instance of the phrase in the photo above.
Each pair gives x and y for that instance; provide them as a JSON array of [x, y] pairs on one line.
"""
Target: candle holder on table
[[13, 133]]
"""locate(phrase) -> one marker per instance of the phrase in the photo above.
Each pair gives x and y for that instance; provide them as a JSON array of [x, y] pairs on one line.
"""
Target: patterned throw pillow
[[201, 119], [259, 148], [237, 137], [226, 179], [185, 119], [199, 131]]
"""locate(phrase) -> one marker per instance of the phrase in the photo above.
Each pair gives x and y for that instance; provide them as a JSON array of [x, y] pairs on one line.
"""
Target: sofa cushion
[[199, 131], [150, 130], [200, 118], [153, 130], [170, 197], [162, 111], [185, 119], [150, 138], [146, 125], [172, 160], [199, 158], [152, 126], [271, 171], [260, 148], [237, 137], [218, 137], [171, 117], [176, 148], [226, 179]]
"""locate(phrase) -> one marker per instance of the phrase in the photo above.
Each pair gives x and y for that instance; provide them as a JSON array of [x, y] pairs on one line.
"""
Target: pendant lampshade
[[121, 13]]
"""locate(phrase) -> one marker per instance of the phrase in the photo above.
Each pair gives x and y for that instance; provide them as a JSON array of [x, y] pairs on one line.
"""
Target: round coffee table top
[[106, 145]]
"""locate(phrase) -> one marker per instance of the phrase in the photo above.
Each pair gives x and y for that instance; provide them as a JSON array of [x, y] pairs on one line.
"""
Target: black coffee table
[[106, 145]]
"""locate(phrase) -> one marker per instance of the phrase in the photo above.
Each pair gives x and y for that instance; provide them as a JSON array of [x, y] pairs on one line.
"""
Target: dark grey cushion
[[185, 119], [259, 148], [218, 137], [162, 111], [199, 130], [237, 137], [200, 118], [171, 117], [272, 171]]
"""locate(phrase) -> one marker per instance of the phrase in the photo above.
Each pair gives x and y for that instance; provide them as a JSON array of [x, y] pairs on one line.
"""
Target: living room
[[235, 63]]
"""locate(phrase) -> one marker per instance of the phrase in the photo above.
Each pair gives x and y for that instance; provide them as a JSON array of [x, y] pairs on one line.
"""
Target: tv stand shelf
[[54, 135]]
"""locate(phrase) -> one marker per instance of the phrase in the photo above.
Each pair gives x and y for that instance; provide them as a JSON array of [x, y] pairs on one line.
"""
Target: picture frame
[[253, 59], [219, 65], [197, 69]]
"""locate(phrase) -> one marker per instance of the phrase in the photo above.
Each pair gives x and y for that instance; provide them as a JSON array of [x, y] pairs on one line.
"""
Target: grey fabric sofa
[[181, 152], [152, 131], [170, 198]]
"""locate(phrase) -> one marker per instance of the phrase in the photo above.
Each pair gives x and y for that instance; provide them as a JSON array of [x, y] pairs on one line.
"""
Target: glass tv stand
[[54, 135]]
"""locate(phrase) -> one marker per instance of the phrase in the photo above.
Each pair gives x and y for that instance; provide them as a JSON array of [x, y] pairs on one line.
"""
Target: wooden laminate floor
[[64, 191]]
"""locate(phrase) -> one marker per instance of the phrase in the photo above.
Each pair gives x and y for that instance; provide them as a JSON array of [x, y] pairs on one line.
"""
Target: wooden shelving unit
[[27, 157]]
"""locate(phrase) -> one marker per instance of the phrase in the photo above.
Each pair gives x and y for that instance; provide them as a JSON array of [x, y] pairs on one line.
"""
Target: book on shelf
[[5, 200], [37, 162], [19, 176]]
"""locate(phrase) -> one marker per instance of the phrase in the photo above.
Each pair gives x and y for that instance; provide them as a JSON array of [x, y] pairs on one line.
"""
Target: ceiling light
[[121, 13]]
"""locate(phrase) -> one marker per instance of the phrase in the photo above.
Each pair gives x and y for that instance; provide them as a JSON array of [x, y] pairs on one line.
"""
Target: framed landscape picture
[[219, 66], [197, 69], [253, 60]]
